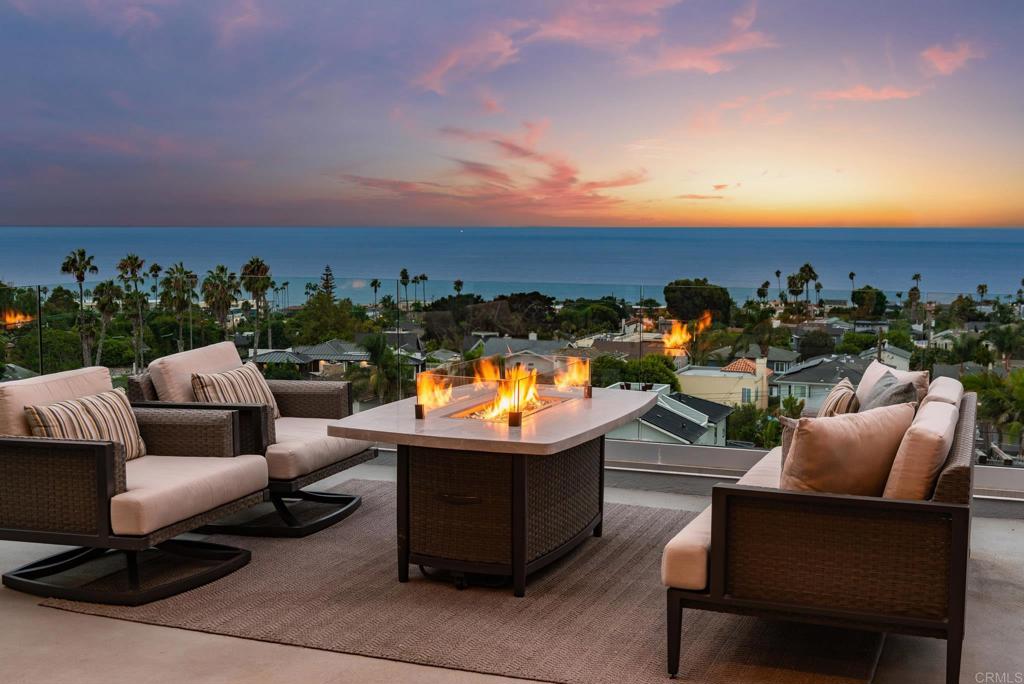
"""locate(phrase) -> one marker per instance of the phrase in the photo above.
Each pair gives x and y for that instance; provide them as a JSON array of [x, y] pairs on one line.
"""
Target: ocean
[[563, 262]]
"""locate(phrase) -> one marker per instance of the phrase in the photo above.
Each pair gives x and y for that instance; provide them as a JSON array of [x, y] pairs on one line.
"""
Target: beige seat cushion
[[172, 375], [922, 452], [946, 390], [684, 563], [874, 372], [847, 454], [163, 490], [46, 389], [303, 446]]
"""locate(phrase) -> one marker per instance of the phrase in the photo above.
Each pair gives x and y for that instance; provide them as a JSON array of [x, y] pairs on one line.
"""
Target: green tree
[[79, 264], [327, 284], [686, 299], [852, 276], [792, 407], [256, 281], [856, 342], [323, 318], [457, 285], [375, 285], [220, 291], [404, 280], [106, 297], [747, 423], [870, 301], [1006, 340], [816, 343], [758, 329], [177, 290], [129, 272], [281, 371]]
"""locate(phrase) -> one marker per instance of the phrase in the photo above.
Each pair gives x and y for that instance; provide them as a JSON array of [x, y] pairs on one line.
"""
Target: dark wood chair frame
[[296, 398], [921, 546], [40, 473]]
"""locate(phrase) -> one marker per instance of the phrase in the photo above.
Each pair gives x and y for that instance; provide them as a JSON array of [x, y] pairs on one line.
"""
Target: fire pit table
[[478, 496]]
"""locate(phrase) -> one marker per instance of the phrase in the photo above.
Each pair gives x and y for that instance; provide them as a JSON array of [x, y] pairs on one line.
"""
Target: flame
[[517, 391], [576, 374], [16, 319], [677, 342], [433, 390]]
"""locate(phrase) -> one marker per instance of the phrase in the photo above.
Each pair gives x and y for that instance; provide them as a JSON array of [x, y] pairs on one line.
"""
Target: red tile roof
[[745, 366]]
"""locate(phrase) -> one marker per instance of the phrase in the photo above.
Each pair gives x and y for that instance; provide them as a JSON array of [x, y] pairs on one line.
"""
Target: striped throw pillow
[[106, 416], [842, 399], [243, 385]]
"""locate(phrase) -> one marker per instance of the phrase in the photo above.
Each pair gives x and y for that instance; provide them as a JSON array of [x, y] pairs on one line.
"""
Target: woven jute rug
[[596, 616]]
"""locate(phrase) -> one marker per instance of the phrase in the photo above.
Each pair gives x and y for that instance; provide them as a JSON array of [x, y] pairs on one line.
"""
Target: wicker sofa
[[298, 450], [870, 563], [85, 494]]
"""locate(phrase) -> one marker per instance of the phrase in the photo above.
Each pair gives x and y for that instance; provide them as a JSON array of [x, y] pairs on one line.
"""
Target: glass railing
[[724, 360]]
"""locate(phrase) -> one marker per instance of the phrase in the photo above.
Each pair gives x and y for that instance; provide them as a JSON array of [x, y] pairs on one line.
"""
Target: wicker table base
[[496, 514]]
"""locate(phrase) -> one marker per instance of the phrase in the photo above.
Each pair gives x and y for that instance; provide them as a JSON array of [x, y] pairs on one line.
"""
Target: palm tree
[[374, 285], [129, 272], [757, 330], [176, 292], [106, 297], [256, 281], [458, 287], [415, 288], [154, 272], [403, 279], [917, 280], [79, 264], [220, 291], [807, 275], [817, 290], [982, 291], [778, 280], [1004, 339], [423, 279], [853, 284]]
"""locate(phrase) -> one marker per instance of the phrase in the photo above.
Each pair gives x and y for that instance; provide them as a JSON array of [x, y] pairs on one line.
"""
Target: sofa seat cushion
[[303, 446], [684, 563], [172, 375], [163, 490], [46, 389]]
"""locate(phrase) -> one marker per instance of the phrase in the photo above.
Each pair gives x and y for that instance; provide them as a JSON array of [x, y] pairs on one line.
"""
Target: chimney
[[532, 336]]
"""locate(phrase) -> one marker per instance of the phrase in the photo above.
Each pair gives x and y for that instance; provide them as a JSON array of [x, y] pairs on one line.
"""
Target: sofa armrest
[[255, 421], [312, 398], [182, 432], [831, 552], [58, 491]]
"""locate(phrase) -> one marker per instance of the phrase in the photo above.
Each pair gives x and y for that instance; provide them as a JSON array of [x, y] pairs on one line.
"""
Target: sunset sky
[[534, 112]]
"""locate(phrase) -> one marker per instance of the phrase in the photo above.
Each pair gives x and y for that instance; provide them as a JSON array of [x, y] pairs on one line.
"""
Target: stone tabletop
[[565, 425]]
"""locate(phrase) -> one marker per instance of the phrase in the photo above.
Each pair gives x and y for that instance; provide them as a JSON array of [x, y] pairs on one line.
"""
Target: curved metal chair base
[[286, 523], [133, 585]]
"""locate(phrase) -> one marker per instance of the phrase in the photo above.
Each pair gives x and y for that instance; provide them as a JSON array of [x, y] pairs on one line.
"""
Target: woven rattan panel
[[563, 495]]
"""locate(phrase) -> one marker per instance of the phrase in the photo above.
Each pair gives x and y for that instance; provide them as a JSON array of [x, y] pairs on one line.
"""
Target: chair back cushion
[[106, 416], [922, 452], [46, 389], [874, 372], [841, 399], [172, 375], [243, 385], [946, 390], [847, 454]]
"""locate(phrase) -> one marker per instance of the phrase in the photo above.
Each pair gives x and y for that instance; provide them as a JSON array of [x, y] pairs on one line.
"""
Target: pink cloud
[[142, 144], [693, 196], [719, 186], [944, 62], [751, 110], [486, 52], [709, 58], [490, 103], [241, 19], [485, 172], [120, 16], [863, 93], [604, 24]]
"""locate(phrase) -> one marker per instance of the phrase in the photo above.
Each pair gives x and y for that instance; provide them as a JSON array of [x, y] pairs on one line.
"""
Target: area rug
[[596, 616]]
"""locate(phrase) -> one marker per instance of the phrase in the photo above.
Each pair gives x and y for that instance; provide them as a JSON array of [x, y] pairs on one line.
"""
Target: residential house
[[834, 327], [743, 381], [813, 379], [675, 418], [506, 346], [334, 352], [780, 359], [891, 356]]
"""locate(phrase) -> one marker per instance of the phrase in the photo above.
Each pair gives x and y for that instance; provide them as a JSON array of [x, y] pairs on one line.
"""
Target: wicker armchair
[[85, 494], [861, 562], [298, 450]]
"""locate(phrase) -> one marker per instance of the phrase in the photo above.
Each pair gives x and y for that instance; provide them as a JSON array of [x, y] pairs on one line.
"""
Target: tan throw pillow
[[922, 452], [105, 417], [243, 385], [888, 391], [847, 454], [876, 370], [842, 399], [946, 390]]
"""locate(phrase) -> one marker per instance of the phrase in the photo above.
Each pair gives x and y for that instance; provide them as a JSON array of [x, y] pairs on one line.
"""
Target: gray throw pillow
[[889, 391]]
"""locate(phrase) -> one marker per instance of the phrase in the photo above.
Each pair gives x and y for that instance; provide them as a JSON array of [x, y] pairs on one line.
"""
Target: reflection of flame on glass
[[677, 342], [516, 392], [16, 319], [432, 390], [575, 374]]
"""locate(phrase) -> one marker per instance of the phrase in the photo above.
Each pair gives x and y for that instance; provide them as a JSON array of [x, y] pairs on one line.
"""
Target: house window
[[745, 395], [800, 391]]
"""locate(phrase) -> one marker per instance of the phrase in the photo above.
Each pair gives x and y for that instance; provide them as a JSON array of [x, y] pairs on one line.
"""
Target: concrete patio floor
[[43, 645]]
